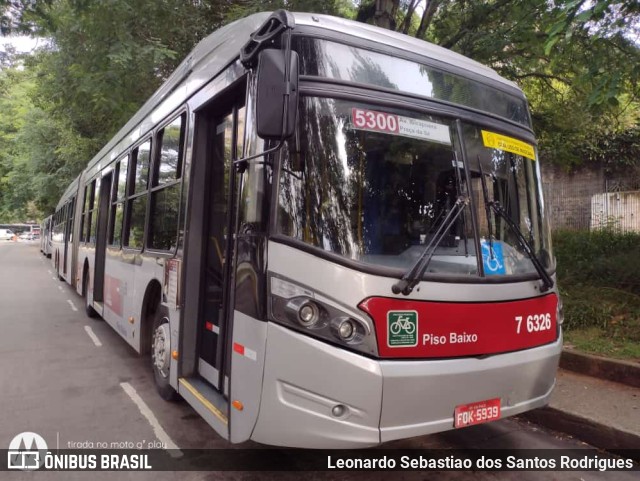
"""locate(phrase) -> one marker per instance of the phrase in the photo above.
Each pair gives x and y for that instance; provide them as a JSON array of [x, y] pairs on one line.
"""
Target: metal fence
[[592, 199]]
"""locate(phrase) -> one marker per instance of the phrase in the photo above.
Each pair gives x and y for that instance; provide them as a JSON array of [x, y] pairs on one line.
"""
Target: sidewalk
[[596, 400]]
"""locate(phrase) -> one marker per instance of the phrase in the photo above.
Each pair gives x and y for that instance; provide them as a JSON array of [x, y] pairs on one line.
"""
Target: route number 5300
[[534, 322], [376, 121]]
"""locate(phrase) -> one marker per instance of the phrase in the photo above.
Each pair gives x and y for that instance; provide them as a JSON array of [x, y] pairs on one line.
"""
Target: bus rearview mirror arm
[[241, 164]]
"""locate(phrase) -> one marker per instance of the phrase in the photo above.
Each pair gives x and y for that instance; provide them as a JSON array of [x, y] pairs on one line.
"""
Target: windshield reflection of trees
[[361, 193]]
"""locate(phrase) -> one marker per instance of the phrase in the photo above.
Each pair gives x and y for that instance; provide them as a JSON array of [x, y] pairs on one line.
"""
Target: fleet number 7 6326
[[534, 323]]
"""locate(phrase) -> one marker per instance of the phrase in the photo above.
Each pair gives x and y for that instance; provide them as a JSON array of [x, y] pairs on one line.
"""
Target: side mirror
[[274, 89]]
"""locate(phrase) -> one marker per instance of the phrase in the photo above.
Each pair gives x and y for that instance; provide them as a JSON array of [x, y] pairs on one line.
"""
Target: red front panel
[[425, 329]]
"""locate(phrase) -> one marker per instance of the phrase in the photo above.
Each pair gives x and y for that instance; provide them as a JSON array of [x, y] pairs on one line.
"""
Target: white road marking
[[60, 287], [73, 306], [49, 271], [54, 278], [160, 433], [93, 336]]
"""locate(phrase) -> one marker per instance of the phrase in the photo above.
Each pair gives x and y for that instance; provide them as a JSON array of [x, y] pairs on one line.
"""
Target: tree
[[578, 62]]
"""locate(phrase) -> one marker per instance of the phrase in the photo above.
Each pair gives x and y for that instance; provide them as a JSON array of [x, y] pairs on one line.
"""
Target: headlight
[[300, 308], [304, 311]]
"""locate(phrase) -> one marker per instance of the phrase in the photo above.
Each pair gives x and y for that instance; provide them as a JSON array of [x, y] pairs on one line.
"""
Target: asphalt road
[[72, 379]]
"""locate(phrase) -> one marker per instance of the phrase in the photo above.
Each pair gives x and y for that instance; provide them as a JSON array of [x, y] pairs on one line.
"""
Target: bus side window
[[88, 211], [116, 214], [137, 199], [165, 193]]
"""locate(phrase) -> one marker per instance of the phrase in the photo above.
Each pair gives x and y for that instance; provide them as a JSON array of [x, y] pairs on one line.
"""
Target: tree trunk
[[406, 23], [429, 11], [384, 16]]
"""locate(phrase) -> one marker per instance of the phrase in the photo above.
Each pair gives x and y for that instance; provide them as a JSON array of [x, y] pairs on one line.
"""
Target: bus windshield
[[375, 184]]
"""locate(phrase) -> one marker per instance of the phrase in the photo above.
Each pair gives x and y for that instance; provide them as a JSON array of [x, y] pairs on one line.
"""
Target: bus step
[[98, 307], [207, 402]]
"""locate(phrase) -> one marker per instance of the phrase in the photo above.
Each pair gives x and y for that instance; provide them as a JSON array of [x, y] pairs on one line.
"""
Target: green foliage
[[599, 279], [595, 341], [576, 60], [105, 59], [602, 258]]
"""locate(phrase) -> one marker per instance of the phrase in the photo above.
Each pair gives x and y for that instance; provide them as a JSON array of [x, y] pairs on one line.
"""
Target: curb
[[624, 372], [604, 437]]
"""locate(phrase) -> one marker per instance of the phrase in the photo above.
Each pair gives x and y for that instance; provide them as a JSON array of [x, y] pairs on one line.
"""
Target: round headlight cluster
[[346, 329], [305, 312], [308, 314]]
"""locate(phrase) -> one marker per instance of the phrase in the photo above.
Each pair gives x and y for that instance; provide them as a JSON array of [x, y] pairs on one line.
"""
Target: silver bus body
[[271, 381]]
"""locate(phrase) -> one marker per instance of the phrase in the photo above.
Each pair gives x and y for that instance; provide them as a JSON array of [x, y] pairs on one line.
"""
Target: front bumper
[[378, 401]]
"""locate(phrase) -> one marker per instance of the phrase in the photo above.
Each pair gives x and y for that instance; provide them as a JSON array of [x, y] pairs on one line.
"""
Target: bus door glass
[[101, 237], [68, 237], [218, 247]]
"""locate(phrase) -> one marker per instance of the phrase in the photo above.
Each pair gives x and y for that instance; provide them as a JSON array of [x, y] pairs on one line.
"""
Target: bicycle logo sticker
[[402, 328]]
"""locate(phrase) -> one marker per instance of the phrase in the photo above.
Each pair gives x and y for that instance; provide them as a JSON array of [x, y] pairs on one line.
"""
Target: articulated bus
[[325, 235]]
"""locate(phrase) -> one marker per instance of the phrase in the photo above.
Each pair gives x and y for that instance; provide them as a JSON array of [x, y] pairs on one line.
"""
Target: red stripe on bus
[[208, 326], [239, 348], [427, 329]]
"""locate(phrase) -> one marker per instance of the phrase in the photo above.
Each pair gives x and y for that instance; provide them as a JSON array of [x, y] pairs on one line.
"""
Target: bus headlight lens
[[346, 330], [304, 311], [308, 314]]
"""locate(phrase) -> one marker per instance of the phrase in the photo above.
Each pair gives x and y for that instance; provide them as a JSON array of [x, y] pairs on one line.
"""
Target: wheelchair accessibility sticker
[[492, 258]]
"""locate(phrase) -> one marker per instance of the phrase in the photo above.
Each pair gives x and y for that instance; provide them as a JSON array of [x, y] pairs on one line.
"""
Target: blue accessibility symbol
[[492, 258]]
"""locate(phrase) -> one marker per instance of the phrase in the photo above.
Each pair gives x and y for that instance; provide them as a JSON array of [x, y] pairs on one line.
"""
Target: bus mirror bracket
[[277, 94]]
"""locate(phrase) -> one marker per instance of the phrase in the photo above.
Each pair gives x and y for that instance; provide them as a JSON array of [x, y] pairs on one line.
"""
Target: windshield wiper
[[412, 277], [547, 282]]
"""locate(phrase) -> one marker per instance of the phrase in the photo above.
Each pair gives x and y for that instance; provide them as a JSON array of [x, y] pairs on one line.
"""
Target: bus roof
[[222, 47]]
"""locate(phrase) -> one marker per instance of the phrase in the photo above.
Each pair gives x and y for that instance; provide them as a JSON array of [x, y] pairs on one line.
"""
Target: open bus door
[[209, 252], [216, 277], [101, 237]]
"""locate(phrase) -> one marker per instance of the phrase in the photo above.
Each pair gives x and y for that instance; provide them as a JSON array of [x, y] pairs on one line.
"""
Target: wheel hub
[[161, 349]]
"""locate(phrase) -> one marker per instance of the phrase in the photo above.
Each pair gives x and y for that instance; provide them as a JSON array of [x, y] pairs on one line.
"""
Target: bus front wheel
[[161, 355]]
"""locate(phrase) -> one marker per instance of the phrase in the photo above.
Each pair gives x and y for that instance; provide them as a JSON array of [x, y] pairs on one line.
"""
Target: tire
[[161, 355], [91, 312]]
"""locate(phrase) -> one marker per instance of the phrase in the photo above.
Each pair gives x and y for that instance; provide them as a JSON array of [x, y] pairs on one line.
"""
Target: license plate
[[476, 413]]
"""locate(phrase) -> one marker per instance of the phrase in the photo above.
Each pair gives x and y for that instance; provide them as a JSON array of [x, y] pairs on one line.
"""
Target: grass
[[596, 341], [599, 280]]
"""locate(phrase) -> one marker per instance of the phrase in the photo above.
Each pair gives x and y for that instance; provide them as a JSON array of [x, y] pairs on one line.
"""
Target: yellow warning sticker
[[508, 144]]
